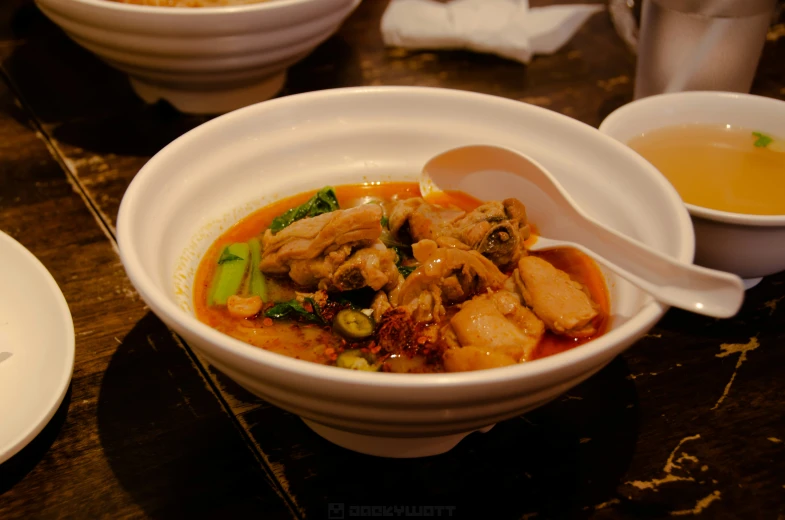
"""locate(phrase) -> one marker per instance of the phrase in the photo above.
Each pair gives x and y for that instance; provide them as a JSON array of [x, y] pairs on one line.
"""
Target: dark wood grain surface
[[688, 422]]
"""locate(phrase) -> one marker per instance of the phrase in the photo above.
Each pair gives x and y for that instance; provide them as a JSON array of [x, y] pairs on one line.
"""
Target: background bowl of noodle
[[181, 201], [208, 60]]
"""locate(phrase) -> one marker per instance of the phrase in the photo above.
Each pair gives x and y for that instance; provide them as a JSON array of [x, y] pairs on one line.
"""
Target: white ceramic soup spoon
[[490, 172]]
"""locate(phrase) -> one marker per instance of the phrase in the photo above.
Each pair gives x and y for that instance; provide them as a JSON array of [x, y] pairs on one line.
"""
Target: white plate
[[36, 346]]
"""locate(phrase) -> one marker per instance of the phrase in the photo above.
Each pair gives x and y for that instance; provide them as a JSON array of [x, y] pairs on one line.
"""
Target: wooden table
[[690, 421]]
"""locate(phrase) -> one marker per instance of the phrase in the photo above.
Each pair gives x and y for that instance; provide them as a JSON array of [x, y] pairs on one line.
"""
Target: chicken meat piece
[[470, 358], [495, 229], [310, 272], [380, 305], [344, 270], [398, 219], [493, 330], [310, 238], [446, 276], [334, 251], [414, 220], [372, 267], [559, 301]]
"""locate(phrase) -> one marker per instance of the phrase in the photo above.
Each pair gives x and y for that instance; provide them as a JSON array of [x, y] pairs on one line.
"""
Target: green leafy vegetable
[[316, 310], [405, 270], [293, 310], [340, 299], [226, 256], [324, 201], [229, 274], [762, 140], [258, 284], [385, 222], [387, 239]]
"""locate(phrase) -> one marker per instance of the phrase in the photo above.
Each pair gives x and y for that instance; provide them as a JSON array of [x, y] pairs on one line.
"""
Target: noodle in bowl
[[181, 201]]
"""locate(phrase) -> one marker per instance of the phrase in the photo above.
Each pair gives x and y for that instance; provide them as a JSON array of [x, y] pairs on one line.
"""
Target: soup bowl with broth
[[200, 185], [725, 155]]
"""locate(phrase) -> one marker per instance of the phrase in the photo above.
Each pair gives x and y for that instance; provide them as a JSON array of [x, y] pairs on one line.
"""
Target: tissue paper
[[508, 28]]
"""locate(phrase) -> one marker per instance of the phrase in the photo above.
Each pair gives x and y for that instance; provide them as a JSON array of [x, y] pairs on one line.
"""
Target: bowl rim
[[629, 110], [591, 354], [264, 5]]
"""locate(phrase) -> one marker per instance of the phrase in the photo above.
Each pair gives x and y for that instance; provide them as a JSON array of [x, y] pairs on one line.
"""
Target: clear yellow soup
[[713, 166]]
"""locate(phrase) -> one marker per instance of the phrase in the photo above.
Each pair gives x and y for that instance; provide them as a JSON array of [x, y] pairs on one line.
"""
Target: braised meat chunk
[[312, 237], [372, 267], [493, 330], [447, 276], [559, 301], [337, 250], [495, 229], [412, 220]]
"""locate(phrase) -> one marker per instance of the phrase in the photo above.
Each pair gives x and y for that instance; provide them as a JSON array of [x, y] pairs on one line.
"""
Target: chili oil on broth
[[719, 167], [318, 343]]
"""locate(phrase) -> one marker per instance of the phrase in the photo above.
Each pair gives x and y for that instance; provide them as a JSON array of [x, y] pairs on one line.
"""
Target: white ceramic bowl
[[751, 246], [202, 60], [36, 362], [206, 180]]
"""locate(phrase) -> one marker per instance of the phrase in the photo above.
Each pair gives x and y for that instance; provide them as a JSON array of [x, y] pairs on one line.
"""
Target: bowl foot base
[[392, 447], [749, 283], [210, 101]]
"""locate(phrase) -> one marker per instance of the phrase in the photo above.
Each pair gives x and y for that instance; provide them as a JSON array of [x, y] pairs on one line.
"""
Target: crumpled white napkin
[[508, 28]]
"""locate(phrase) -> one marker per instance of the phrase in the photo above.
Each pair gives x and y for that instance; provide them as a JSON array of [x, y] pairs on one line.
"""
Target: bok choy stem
[[229, 274], [258, 282]]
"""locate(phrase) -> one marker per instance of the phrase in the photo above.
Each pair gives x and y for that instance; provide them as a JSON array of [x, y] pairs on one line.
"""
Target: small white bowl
[[751, 246], [206, 180], [204, 60]]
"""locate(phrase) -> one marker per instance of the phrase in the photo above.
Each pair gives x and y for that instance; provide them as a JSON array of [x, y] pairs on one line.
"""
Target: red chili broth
[[579, 266]]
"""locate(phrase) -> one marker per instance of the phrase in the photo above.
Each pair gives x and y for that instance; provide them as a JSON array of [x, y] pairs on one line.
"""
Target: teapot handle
[[623, 18]]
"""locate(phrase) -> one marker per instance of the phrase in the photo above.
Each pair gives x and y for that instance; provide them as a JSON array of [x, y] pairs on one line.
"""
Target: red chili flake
[[267, 322], [329, 351], [396, 331], [375, 349], [364, 349], [308, 307], [422, 340]]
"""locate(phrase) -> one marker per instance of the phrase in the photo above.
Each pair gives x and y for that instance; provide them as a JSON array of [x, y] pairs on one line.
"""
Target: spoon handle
[[697, 289]]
